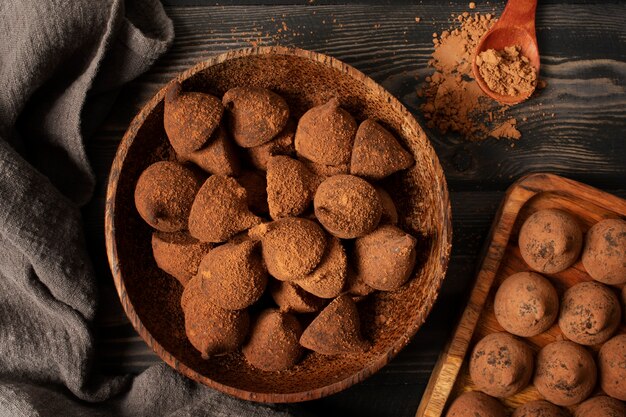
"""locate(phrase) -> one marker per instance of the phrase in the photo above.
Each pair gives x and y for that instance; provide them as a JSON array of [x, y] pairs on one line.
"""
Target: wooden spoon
[[516, 26]]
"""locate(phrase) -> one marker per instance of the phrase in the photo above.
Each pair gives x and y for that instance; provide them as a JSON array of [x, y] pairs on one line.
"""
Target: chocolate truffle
[[526, 304], [565, 373], [385, 258], [190, 118], [325, 134], [376, 153], [233, 275], [473, 404], [164, 195], [326, 171], [347, 206], [282, 144], [290, 187], [178, 254], [550, 241], [292, 299], [219, 156], [389, 214], [292, 247], [273, 343], [255, 115], [210, 329], [601, 406], [612, 365], [539, 408], [329, 278], [501, 365], [604, 256], [220, 210], [255, 184], [336, 330], [355, 285], [590, 313]]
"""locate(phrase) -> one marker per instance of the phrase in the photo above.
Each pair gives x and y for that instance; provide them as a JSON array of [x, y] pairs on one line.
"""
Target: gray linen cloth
[[60, 61]]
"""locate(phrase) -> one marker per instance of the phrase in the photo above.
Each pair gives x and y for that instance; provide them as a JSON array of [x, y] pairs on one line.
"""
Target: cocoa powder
[[507, 71]]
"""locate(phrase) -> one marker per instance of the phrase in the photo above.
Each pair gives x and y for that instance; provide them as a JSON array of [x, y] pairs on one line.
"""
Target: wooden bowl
[[151, 298]]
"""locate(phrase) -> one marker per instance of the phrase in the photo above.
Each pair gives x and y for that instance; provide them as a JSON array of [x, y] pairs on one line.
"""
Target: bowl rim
[[112, 252]]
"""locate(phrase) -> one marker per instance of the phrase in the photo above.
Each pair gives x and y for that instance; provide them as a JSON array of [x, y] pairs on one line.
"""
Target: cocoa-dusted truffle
[[390, 213], [290, 187], [220, 210], [550, 241], [590, 313], [190, 118], [282, 144], [539, 408], [526, 304], [501, 365], [273, 343], [219, 156], [329, 277], [376, 153], [292, 299], [604, 256], [292, 247], [385, 258], [178, 254], [601, 406], [347, 206], [255, 115], [612, 364], [325, 134], [164, 195], [336, 330], [565, 373], [355, 285], [233, 275], [475, 403], [326, 171], [255, 184], [210, 329]]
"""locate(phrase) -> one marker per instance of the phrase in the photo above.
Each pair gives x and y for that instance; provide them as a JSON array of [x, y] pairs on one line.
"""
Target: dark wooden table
[[575, 128]]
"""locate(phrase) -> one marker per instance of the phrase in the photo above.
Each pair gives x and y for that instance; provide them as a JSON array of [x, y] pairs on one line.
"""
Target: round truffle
[[475, 403], [273, 343], [539, 408], [590, 313], [282, 144], [550, 241], [219, 156], [178, 254], [612, 365], [565, 373], [385, 258], [325, 134], [290, 187], [347, 206], [601, 406], [501, 365], [292, 299], [604, 256], [526, 304], [164, 195], [255, 115], [329, 278]]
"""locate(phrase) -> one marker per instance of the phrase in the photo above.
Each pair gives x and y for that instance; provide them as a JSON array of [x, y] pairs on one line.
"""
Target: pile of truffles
[[588, 314], [253, 199]]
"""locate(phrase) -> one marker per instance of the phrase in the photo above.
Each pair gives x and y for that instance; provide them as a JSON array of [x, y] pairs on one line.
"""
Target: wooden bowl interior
[[151, 298]]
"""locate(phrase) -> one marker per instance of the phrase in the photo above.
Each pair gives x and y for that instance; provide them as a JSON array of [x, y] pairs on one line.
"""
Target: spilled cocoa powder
[[507, 72]]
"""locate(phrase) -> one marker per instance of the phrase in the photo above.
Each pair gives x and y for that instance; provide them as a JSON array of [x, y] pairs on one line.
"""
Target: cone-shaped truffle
[[336, 330], [290, 187], [612, 364], [475, 403], [539, 408], [385, 258], [273, 344], [210, 329], [347, 206], [233, 275], [282, 144], [292, 247], [601, 406], [329, 278], [604, 256], [178, 254], [220, 210], [190, 118], [292, 299], [255, 184], [164, 195], [376, 153], [325, 134], [255, 115], [219, 156]]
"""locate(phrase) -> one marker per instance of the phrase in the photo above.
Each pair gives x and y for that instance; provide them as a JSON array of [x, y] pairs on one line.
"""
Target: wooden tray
[[502, 258]]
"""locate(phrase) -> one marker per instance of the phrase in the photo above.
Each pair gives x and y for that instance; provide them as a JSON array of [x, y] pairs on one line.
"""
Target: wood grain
[[502, 259]]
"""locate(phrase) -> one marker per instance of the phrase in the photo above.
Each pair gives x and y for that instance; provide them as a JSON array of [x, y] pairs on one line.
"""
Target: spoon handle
[[519, 13]]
